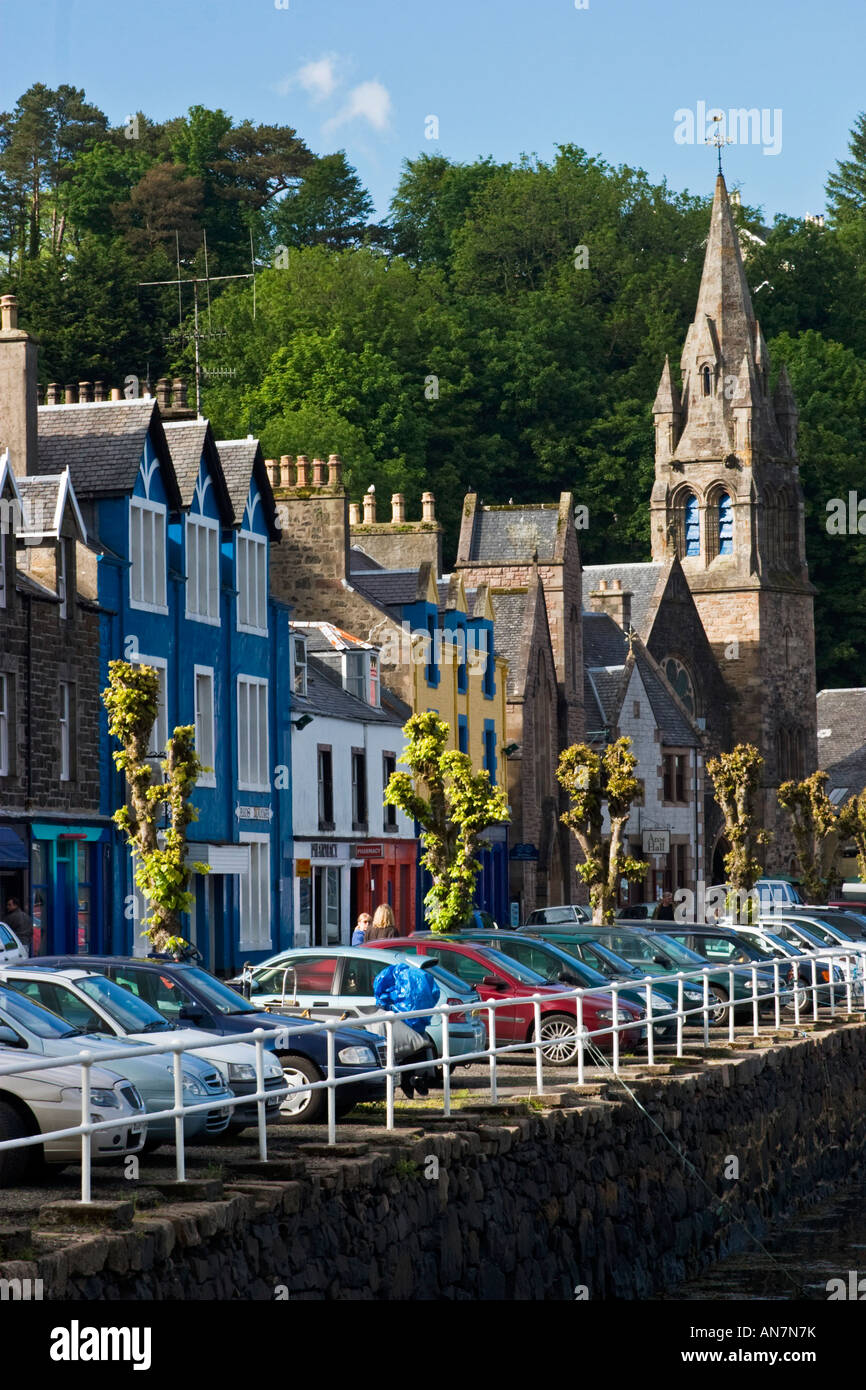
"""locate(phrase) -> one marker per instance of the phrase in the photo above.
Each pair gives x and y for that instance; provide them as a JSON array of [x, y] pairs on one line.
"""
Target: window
[[432, 671], [202, 570], [255, 894], [706, 380], [65, 731], [462, 669], [389, 767], [147, 554], [253, 735], [205, 743], [355, 677], [252, 583], [373, 681], [489, 684], [726, 524], [675, 787], [326, 789], [359, 789], [159, 736], [5, 692], [490, 752], [299, 665], [3, 565], [692, 526], [64, 577], [679, 678], [462, 734]]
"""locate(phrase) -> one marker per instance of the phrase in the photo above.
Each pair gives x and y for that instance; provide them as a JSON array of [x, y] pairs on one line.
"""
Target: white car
[[11, 949], [98, 1005]]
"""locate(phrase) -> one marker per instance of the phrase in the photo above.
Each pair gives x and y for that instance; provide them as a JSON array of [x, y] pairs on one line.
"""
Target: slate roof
[[512, 535], [359, 560], [388, 588], [511, 613], [102, 443], [188, 440], [605, 654], [39, 503], [674, 727], [326, 696], [241, 460], [842, 738], [640, 580]]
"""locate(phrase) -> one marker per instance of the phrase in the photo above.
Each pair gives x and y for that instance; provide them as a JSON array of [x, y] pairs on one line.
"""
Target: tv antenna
[[180, 334]]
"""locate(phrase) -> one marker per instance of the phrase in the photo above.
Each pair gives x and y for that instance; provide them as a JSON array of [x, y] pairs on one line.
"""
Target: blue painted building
[[180, 530]]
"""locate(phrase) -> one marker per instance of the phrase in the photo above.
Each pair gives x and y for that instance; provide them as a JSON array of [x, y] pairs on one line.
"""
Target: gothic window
[[787, 639], [681, 681], [726, 524], [706, 380], [542, 731], [692, 525]]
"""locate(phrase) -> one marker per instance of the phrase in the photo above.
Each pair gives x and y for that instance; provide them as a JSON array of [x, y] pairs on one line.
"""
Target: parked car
[[556, 966], [794, 952], [813, 935], [769, 891], [656, 954], [44, 1101], [559, 916], [96, 1009], [616, 968], [11, 948], [720, 946], [340, 978], [187, 994], [852, 924], [497, 976], [638, 912]]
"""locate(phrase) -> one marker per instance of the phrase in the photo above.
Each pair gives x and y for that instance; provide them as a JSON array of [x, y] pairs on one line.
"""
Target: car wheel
[[718, 1012], [307, 1107], [558, 1039], [802, 1000], [13, 1162]]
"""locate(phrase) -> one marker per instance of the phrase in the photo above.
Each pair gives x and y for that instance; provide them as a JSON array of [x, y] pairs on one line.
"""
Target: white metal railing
[[844, 969]]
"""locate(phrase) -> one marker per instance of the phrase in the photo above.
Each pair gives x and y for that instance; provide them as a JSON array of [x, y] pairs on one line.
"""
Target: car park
[[818, 929], [46, 1101], [555, 966], [496, 976], [340, 979], [94, 1009], [186, 994]]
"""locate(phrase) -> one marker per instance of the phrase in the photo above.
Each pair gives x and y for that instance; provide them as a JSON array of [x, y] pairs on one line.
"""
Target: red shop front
[[383, 871]]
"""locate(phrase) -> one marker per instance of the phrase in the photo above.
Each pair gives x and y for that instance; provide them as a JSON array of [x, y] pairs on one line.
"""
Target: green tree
[[594, 782], [736, 779], [846, 185], [162, 872], [453, 805], [852, 825], [329, 207], [814, 824]]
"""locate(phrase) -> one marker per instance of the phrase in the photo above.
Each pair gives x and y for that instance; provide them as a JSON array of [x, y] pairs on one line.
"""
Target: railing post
[[614, 993], [832, 973], [332, 1093], [776, 999], [796, 969], [260, 1104], [650, 1040], [389, 1081], [815, 989], [581, 1057], [706, 1005], [180, 1153], [849, 971], [539, 1068], [446, 1059], [755, 1028], [86, 1144], [731, 1010], [680, 1014], [491, 1040]]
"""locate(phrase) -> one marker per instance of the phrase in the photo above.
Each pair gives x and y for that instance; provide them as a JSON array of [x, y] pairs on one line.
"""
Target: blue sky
[[502, 76]]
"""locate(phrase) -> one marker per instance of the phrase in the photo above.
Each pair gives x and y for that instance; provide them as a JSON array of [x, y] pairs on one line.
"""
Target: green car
[[656, 954]]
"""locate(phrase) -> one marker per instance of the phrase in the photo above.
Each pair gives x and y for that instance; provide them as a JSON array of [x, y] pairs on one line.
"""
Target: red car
[[496, 976]]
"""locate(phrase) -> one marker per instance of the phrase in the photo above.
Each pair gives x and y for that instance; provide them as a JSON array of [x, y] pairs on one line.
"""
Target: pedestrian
[[384, 926], [665, 909], [20, 922], [362, 927]]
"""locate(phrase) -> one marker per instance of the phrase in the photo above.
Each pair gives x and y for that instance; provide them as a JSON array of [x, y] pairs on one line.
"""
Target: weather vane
[[718, 139]]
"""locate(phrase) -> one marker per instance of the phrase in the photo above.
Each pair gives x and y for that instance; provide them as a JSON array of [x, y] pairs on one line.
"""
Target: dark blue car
[[187, 995]]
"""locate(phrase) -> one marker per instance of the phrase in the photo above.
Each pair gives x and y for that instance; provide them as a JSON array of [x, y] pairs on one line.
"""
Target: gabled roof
[[102, 444], [644, 581], [607, 663], [515, 535], [243, 460], [44, 503], [360, 561], [326, 696], [188, 441], [842, 738]]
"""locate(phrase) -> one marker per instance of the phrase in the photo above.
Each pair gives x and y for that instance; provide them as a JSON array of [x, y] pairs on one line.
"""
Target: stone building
[[727, 501]]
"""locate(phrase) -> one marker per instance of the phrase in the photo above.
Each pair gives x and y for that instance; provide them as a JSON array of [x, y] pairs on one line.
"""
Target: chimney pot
[[8, 313], [85, 391], [428, 507], [602, 586], [302, 464], [179, 397], [354, 513], [163, 392], [398, 508], [116, 393], [52, 393], [335, 471], [318, 473], [286, 463], [272, 468], [99, 391], [70, 393], [369, 508]]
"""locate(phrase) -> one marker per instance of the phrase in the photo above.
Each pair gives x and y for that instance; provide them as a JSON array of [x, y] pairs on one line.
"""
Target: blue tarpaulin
[[13, 849], [399, 988]]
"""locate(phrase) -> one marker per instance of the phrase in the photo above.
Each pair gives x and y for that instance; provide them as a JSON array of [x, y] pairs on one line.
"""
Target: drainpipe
[[29, 701]]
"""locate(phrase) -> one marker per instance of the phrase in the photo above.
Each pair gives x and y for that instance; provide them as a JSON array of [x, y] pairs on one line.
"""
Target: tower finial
[[718, 139]]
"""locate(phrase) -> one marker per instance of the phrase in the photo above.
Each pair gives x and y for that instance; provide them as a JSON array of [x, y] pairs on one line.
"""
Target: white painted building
[[351, 851]]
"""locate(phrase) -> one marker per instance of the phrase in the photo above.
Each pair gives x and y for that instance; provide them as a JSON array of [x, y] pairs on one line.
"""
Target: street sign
[[303, 868], [370, 851], [656, 842], [523, 851]]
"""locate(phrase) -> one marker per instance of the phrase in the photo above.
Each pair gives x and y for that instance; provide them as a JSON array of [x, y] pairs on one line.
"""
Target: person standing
[[384, 926], [362, 927], [665, 909], [20, 922]]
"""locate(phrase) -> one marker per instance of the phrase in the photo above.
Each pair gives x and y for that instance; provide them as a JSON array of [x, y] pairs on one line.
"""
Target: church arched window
[[726, 524], [679, 677], [692, 525], [706, 380]]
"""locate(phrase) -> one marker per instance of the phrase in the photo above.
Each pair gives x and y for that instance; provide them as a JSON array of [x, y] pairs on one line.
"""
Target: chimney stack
[[398, 509], [369, 509], [18, 394], [613, 600]]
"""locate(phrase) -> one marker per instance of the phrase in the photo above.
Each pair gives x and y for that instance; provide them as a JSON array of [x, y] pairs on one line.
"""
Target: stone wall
[[504, 1203]]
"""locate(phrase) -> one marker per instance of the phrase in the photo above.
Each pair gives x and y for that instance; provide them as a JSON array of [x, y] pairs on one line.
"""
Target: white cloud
[[318, 78], [369, 102]]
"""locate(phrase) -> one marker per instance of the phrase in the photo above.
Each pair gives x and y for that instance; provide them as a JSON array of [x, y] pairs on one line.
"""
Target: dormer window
[[373, 683], [706, 381], [3, 566], [299, 666], [361, 676]]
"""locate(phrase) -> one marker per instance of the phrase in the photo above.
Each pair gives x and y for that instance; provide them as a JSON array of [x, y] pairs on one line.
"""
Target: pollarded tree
[[592, 782], [852, 825], [162, 872], [736, 779], [458, 806], [814, 823]]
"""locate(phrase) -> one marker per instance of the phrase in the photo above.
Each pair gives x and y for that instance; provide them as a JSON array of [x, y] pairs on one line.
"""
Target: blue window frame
[[726, 525], [462, 670], [462, 734], [432, 667], [693, 525], [490, 748]]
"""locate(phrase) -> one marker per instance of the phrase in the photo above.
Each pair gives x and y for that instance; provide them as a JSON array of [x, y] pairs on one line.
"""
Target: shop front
[[322, 892], [383, 871], [70, 866]]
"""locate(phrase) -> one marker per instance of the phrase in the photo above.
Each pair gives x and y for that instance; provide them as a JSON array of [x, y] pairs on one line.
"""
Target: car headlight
[[192, 1086], [621, 1016], [764, 986], [107, 1100], [659, 1002], [695, 995], [272, 1067], [241, 1071], [357, 1056]]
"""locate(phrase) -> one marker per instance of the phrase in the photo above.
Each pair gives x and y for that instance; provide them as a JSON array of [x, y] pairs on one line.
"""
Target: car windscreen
[[499, 961], [679, 954], [132, 1013], [40, 1021], [216, 994]]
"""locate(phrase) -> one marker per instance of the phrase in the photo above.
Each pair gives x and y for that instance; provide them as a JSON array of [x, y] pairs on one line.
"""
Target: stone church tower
[[727, 501]]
